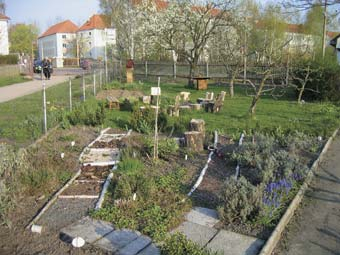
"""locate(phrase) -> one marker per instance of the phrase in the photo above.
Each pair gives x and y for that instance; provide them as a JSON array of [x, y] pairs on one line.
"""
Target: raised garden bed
[[94, 172]]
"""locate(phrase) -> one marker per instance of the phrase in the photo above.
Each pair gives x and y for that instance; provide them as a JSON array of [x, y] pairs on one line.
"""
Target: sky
[[45, 13]]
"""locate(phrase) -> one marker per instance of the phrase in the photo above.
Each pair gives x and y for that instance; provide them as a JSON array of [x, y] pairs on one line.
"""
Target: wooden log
[[129, 75], [197, 125], [194, 140]]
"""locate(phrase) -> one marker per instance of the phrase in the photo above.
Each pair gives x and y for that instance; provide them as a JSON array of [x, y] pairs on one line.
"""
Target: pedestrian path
[[13, 91], [199, 228], [315, 228]]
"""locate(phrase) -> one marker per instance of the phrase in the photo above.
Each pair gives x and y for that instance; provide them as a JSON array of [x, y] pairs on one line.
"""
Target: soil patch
[[79, 188], [119, 94], [94, 172]]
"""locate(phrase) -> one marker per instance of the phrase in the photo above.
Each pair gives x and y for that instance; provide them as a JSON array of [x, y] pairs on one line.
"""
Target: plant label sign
[[155, 91]]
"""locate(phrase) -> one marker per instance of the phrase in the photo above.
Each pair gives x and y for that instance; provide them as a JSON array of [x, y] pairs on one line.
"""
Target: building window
[[64, 45], [89, 33], [64, 36]]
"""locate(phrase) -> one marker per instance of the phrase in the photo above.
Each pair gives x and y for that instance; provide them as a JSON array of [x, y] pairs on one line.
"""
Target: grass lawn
[[284, 113], [5, 81], [21, 119]]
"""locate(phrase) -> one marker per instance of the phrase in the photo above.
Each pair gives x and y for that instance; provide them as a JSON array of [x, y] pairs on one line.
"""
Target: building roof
[[66, 26], [160, 4], [3, 17], [95, 22]]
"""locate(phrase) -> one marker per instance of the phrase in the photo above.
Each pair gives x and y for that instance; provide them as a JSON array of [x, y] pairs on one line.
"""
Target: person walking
[[47, 69]]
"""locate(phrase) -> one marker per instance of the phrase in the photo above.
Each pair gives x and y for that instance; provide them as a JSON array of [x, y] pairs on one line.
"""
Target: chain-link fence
[[150, 70]]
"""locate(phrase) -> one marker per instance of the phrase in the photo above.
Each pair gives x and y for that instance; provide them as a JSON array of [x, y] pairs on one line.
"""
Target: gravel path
[[8, 93], [315, 228]]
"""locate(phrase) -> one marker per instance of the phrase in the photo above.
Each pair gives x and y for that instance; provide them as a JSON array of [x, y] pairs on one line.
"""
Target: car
[[37, 66]]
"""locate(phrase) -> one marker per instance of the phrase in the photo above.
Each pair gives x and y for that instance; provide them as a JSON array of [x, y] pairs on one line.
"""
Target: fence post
[[100, 78], [207, 69], [70, 90], [44, 107], [175, 70], [84, 94], [146, 69], [94, 83]]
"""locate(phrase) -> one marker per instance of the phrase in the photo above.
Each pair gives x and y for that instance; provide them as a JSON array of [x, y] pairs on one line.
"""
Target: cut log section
[[194, 140], [197, 125]]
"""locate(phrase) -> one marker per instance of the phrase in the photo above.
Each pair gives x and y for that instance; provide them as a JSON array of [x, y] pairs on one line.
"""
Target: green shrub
[[178, 244], [143, 120], [91, 113], [12, 164], [166, 147], [240, 201], [9, 59]]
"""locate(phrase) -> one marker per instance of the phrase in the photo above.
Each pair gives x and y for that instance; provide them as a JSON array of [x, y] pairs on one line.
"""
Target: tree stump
[[194, 140], [197, 125]]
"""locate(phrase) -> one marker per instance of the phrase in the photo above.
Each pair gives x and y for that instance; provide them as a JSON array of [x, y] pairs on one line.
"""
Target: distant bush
[[9, 59], [91, 113]]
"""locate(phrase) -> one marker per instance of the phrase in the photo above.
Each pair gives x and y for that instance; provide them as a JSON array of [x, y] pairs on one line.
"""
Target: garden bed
[[79, 188], [94, 172]]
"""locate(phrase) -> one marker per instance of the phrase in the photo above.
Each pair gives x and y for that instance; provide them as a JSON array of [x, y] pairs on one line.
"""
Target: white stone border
[[204, 170], [276, 234]]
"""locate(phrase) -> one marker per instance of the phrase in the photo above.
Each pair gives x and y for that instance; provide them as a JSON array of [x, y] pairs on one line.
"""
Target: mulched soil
[[94, 172], [79, 188]]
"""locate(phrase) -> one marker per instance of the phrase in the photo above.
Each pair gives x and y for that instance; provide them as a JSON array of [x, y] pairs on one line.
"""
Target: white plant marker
[[134, 196], [78, 242], [62, 155], [73, 143], [36, 229]]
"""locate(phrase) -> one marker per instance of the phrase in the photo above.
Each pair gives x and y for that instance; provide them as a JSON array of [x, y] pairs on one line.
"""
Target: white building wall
[[4, 46], [57, 47], [95, 41]]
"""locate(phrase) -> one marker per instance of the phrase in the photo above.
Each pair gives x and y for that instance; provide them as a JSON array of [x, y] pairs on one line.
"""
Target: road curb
[[276, 234]]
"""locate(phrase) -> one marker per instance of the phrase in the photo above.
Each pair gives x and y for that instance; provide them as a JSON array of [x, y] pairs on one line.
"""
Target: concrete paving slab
[[106, 138], [197, 233], [150, 250], [230, 243], [100, 156], [116, 240], [89, 229], [203, 216], [135, 246]]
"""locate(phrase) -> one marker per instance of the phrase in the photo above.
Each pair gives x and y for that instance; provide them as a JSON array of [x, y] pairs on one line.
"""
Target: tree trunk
[[258, 94], [302, 89], [233, 76], [197, 125]]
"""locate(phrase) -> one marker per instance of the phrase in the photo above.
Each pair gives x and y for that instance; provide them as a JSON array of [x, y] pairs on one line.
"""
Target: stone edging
[[276, 234]]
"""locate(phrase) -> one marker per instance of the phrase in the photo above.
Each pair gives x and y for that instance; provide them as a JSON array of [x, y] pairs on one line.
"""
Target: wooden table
[[202, 82]]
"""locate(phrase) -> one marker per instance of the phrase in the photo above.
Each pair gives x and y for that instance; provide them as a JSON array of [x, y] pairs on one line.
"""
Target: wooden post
[[70, 92], [44, 107], [100, 78], [207, 69], [94, 83], [83, 81], [146, 69], [155, 151]]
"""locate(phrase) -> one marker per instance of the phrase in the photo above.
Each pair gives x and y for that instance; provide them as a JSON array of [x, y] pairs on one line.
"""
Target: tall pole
[[70, 92], [94, 83], [44, 107], [324, 30], [155, 149], [84, 93]]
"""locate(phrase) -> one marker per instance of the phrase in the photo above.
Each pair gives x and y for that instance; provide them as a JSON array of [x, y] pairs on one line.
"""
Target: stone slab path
[[315, 227], [104, 235], [199, 227]]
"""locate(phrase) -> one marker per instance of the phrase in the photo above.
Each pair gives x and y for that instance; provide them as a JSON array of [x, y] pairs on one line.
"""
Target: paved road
[[315, 229], [22, 89]]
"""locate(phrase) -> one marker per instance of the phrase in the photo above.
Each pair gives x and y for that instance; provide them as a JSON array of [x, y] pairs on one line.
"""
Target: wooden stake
[[44, 107], [155, 149]]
